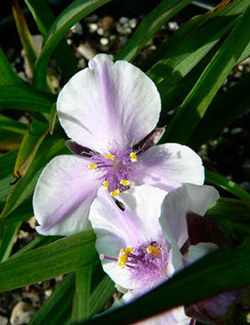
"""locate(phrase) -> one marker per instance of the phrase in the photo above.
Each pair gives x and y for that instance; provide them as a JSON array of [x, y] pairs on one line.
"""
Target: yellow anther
[[105, 184], [133, 156], [153, 250], [92, 166], [112, 157], [125, 182], [115, 192], [123, 256]]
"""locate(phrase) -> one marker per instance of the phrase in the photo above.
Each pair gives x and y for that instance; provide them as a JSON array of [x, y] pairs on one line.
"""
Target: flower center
[[116, 169], [148, 263]]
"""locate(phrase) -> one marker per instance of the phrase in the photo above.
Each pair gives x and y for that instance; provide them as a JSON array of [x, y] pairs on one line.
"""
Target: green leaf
[[24, 98], [52, 119], [149, 26], [222, 270], [24, 188], [224, 109], [9, 124], [9, 140], [39, 241], [44, 19], [7, 162], [60, 301], [22, 213], [29, 146], [77, 10], [9, 233], [7, 74], [63, 256], [101, 295], [228, 185], [82, 293], [234, 209], [182, 52], [24, 34], [196, 103]]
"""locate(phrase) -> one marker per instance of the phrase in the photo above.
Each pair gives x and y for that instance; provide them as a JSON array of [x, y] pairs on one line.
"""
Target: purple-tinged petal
[[168, 166], [188, 198], [116, 229], [108, 102], [211, 310], [63, 195]]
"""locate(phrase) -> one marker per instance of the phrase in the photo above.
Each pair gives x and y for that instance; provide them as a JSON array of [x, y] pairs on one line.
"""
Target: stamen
[[92, 166], [112, 157], [125, 182], [115, 192], [105, 184], [133, 156], [123, 256], [105, 257], [153, 250]]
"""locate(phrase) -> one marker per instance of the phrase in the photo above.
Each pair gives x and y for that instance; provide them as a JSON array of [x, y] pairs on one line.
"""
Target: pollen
[[105, 184], [123, 256], [133, 156], [92, 166], [125, 182], [112, 157], [115, 192], [153, 250]]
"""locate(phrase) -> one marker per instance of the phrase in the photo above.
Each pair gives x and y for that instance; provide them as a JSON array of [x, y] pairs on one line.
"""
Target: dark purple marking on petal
[[77, 149], [149, 141], [203, 230]]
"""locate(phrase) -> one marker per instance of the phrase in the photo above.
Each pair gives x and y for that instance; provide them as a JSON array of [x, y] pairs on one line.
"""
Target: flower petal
[[168, 166], [188, 198], [116, 229], [196, 252], [63, 195], [108, 102]]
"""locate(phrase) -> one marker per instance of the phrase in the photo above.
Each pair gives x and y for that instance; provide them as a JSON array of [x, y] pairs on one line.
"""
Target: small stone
[[100, 31], [48, 293], [3, 320], [22, 313], [81, 63], [173, 25], [123, 20], [93, 27], [133, 23], [108, 23], [32, 222], [127, 31], [77, 29], [86, 50], [104, 41]]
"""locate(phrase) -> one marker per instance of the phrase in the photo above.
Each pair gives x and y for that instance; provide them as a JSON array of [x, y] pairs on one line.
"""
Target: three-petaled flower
[[148, 240], [110, 110]]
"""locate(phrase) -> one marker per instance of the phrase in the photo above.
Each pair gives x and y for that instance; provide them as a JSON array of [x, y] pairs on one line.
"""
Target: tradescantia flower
[[110, 111], [148, 240]]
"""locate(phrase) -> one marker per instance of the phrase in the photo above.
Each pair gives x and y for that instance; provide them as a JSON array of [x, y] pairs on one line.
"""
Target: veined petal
[[188, 198], [168, 166], [116, 229], [63, 195], [108, 102]]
